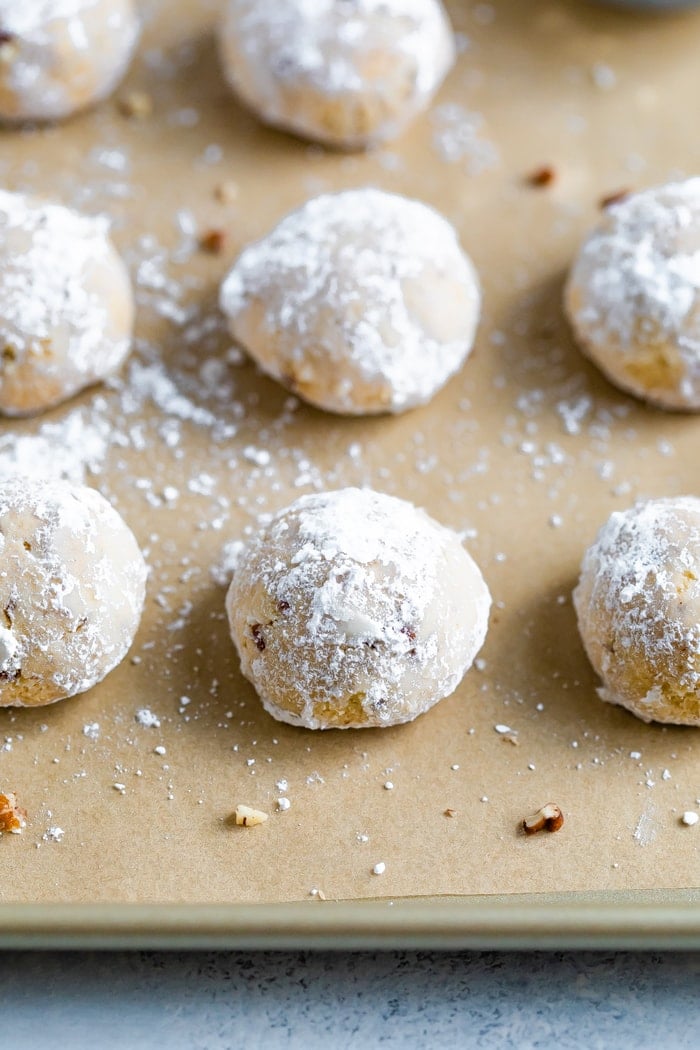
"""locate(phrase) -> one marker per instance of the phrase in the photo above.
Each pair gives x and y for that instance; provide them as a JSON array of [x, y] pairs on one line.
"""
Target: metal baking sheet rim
[[637, 919]]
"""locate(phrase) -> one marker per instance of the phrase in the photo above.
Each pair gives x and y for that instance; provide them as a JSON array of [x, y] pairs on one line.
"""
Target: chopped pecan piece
[[542, 176], [548, 818], [246, 817], [12, 816]]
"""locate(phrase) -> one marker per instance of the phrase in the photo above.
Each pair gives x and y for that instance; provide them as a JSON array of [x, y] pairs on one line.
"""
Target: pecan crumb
[[613, 198], [213, 241], [246, 817], [511, 738], [12, 816], [226, 192], [136, 105], [542, 176], [548, 818], [258, 637], [449, 813]]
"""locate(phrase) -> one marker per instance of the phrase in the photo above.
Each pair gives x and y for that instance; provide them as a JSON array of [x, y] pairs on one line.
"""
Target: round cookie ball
[[638, 608], [72, 585], [354, 609], [349, 73], [360, 302], [60, 56], [633, 295], [66, 305]]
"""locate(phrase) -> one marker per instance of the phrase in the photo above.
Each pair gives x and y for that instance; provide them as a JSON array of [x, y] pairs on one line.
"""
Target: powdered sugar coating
[[360, 302], [72, 585], [638, 607], [347, 72], [66, 309], [353, 608], [59, 56], [633, 295]]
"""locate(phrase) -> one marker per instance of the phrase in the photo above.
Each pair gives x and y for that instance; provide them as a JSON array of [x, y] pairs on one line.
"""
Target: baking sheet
[[527, 451], [638, 919]]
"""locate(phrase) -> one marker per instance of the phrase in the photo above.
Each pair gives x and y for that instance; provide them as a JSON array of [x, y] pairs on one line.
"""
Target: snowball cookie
[[353, 609], [59, 56], [360, 302], [72, 584], [633, 295], [346, 72], [638, 607], [66, 306]]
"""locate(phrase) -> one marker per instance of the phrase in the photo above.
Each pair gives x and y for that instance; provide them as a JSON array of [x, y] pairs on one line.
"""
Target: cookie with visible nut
[[354, 609], [72, 586], [638, 608]]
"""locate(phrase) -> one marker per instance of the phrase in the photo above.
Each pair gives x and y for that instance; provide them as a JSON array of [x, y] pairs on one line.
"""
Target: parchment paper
[[527, 451]]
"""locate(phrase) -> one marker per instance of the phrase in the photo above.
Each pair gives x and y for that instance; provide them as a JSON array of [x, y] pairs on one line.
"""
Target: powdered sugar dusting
[[223, 568], [328, 48], [46, 287], [60, 55], [30, 17], [379, 611], [646, 828], [72, 593], [56, 327], [66, 449], [459, 138], [297, 34], [638, 603], [198, 452], [636, 284], [389, 535], [354, 258]]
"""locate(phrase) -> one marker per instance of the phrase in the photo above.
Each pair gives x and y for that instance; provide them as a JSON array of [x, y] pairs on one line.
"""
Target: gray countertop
[[222, 1000]]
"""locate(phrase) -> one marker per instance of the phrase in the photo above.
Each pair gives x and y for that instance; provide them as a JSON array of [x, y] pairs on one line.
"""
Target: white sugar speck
[[53, 834], [645, 830], [222, 570], [145, 717], [259, 456], [603, 76]]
